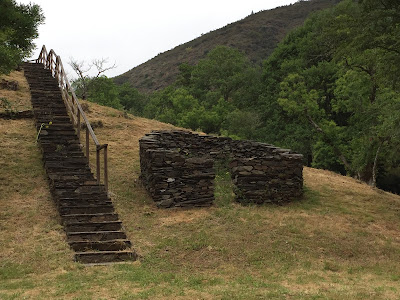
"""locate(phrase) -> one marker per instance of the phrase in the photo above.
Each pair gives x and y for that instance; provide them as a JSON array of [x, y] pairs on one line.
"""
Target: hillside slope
[[256, 35], [341, 241]]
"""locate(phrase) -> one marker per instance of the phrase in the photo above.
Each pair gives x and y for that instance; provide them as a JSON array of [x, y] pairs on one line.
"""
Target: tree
[[131, 99], [81, 85], [225, 73], [338, 73], [18, 28], [102, 90]]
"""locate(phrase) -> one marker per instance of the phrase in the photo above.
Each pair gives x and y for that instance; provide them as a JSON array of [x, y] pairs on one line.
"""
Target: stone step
[[85, 201], [60, 152], [65, 156], [89, 189], [111, 245], [65, 166], [90, 227], [95, 236], [77, 203], [101, 209], [86, 218], [49, 100], [53, 144], [45, 89], [87, 176], [67, 159], [76, 193], [47, 115], [65, 184], [45, 111], [65, 177], [100, 257], [47, 133], [55, 119], [60, 128]]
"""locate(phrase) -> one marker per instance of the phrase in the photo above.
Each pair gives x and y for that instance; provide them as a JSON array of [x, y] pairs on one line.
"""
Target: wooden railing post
[[87, 144], [105, 168], [98, 164], [78, 128]]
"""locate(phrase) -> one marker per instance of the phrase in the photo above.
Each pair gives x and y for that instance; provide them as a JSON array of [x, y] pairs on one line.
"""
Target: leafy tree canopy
[[338, 73], [18, 28]]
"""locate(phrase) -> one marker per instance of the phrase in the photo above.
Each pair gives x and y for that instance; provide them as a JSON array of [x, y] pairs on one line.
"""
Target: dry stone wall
[[177, 168]]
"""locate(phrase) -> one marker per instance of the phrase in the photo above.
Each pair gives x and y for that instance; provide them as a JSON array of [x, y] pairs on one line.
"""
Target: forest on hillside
[[330, 90], [256, 35]]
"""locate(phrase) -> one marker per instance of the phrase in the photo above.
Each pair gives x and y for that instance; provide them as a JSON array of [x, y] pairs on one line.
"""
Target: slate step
[[86, 177], [71, 193], [86, 218], [60, 148], [47, 144], [76, 196], [94, 226], [55, 119], [104, 257], [63, 159], [95, 236], [67, 166], [101, 209], [65, 156], [89, 189], [65, 177], [111, 245], [64, 204]]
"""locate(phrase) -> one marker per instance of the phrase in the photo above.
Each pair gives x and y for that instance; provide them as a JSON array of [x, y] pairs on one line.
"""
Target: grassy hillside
[[341, 241], [256, 35]]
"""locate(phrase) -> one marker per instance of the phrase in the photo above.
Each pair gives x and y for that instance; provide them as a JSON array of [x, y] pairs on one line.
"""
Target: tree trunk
[[373, 183]]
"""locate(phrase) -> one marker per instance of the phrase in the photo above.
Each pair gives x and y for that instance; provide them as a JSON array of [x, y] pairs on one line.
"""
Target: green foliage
[[242, 124], [104, 91], [18, 28], [225, 73], [210, 95], [131, 99], [336, 73]]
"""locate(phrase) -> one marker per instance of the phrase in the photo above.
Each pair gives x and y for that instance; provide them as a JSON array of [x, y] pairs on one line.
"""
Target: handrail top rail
[[46, 56]]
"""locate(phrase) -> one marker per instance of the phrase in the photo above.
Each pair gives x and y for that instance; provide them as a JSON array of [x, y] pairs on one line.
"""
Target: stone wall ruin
[[177, 169]]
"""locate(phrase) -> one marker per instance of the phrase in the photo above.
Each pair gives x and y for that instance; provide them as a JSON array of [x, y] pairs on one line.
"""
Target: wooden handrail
[[53, 62]]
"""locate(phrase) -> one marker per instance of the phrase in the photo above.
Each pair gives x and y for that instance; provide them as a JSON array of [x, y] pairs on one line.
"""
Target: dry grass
[[17, 100], [342, 241]]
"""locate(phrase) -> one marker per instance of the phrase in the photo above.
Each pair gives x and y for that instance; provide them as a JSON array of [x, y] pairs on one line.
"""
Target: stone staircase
[[92, 227]]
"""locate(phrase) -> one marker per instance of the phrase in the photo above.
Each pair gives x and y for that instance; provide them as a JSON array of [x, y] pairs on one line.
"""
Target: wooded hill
[[256, 35]]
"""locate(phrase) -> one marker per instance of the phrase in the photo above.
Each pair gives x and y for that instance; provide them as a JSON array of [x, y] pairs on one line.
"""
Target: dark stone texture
[[177, 168]]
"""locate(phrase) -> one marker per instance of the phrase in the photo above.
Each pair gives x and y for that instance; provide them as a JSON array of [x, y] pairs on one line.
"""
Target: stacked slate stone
[[268, 179], [173, 178], [177, 169]]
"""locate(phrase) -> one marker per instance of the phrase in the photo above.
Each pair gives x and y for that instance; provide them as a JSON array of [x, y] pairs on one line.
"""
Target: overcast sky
[[130, 32]]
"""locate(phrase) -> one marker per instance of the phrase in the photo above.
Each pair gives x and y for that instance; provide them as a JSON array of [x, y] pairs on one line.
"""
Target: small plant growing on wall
[[46, 125]]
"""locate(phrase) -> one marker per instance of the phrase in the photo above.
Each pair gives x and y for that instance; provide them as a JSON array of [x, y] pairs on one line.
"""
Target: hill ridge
[[256, 35]]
